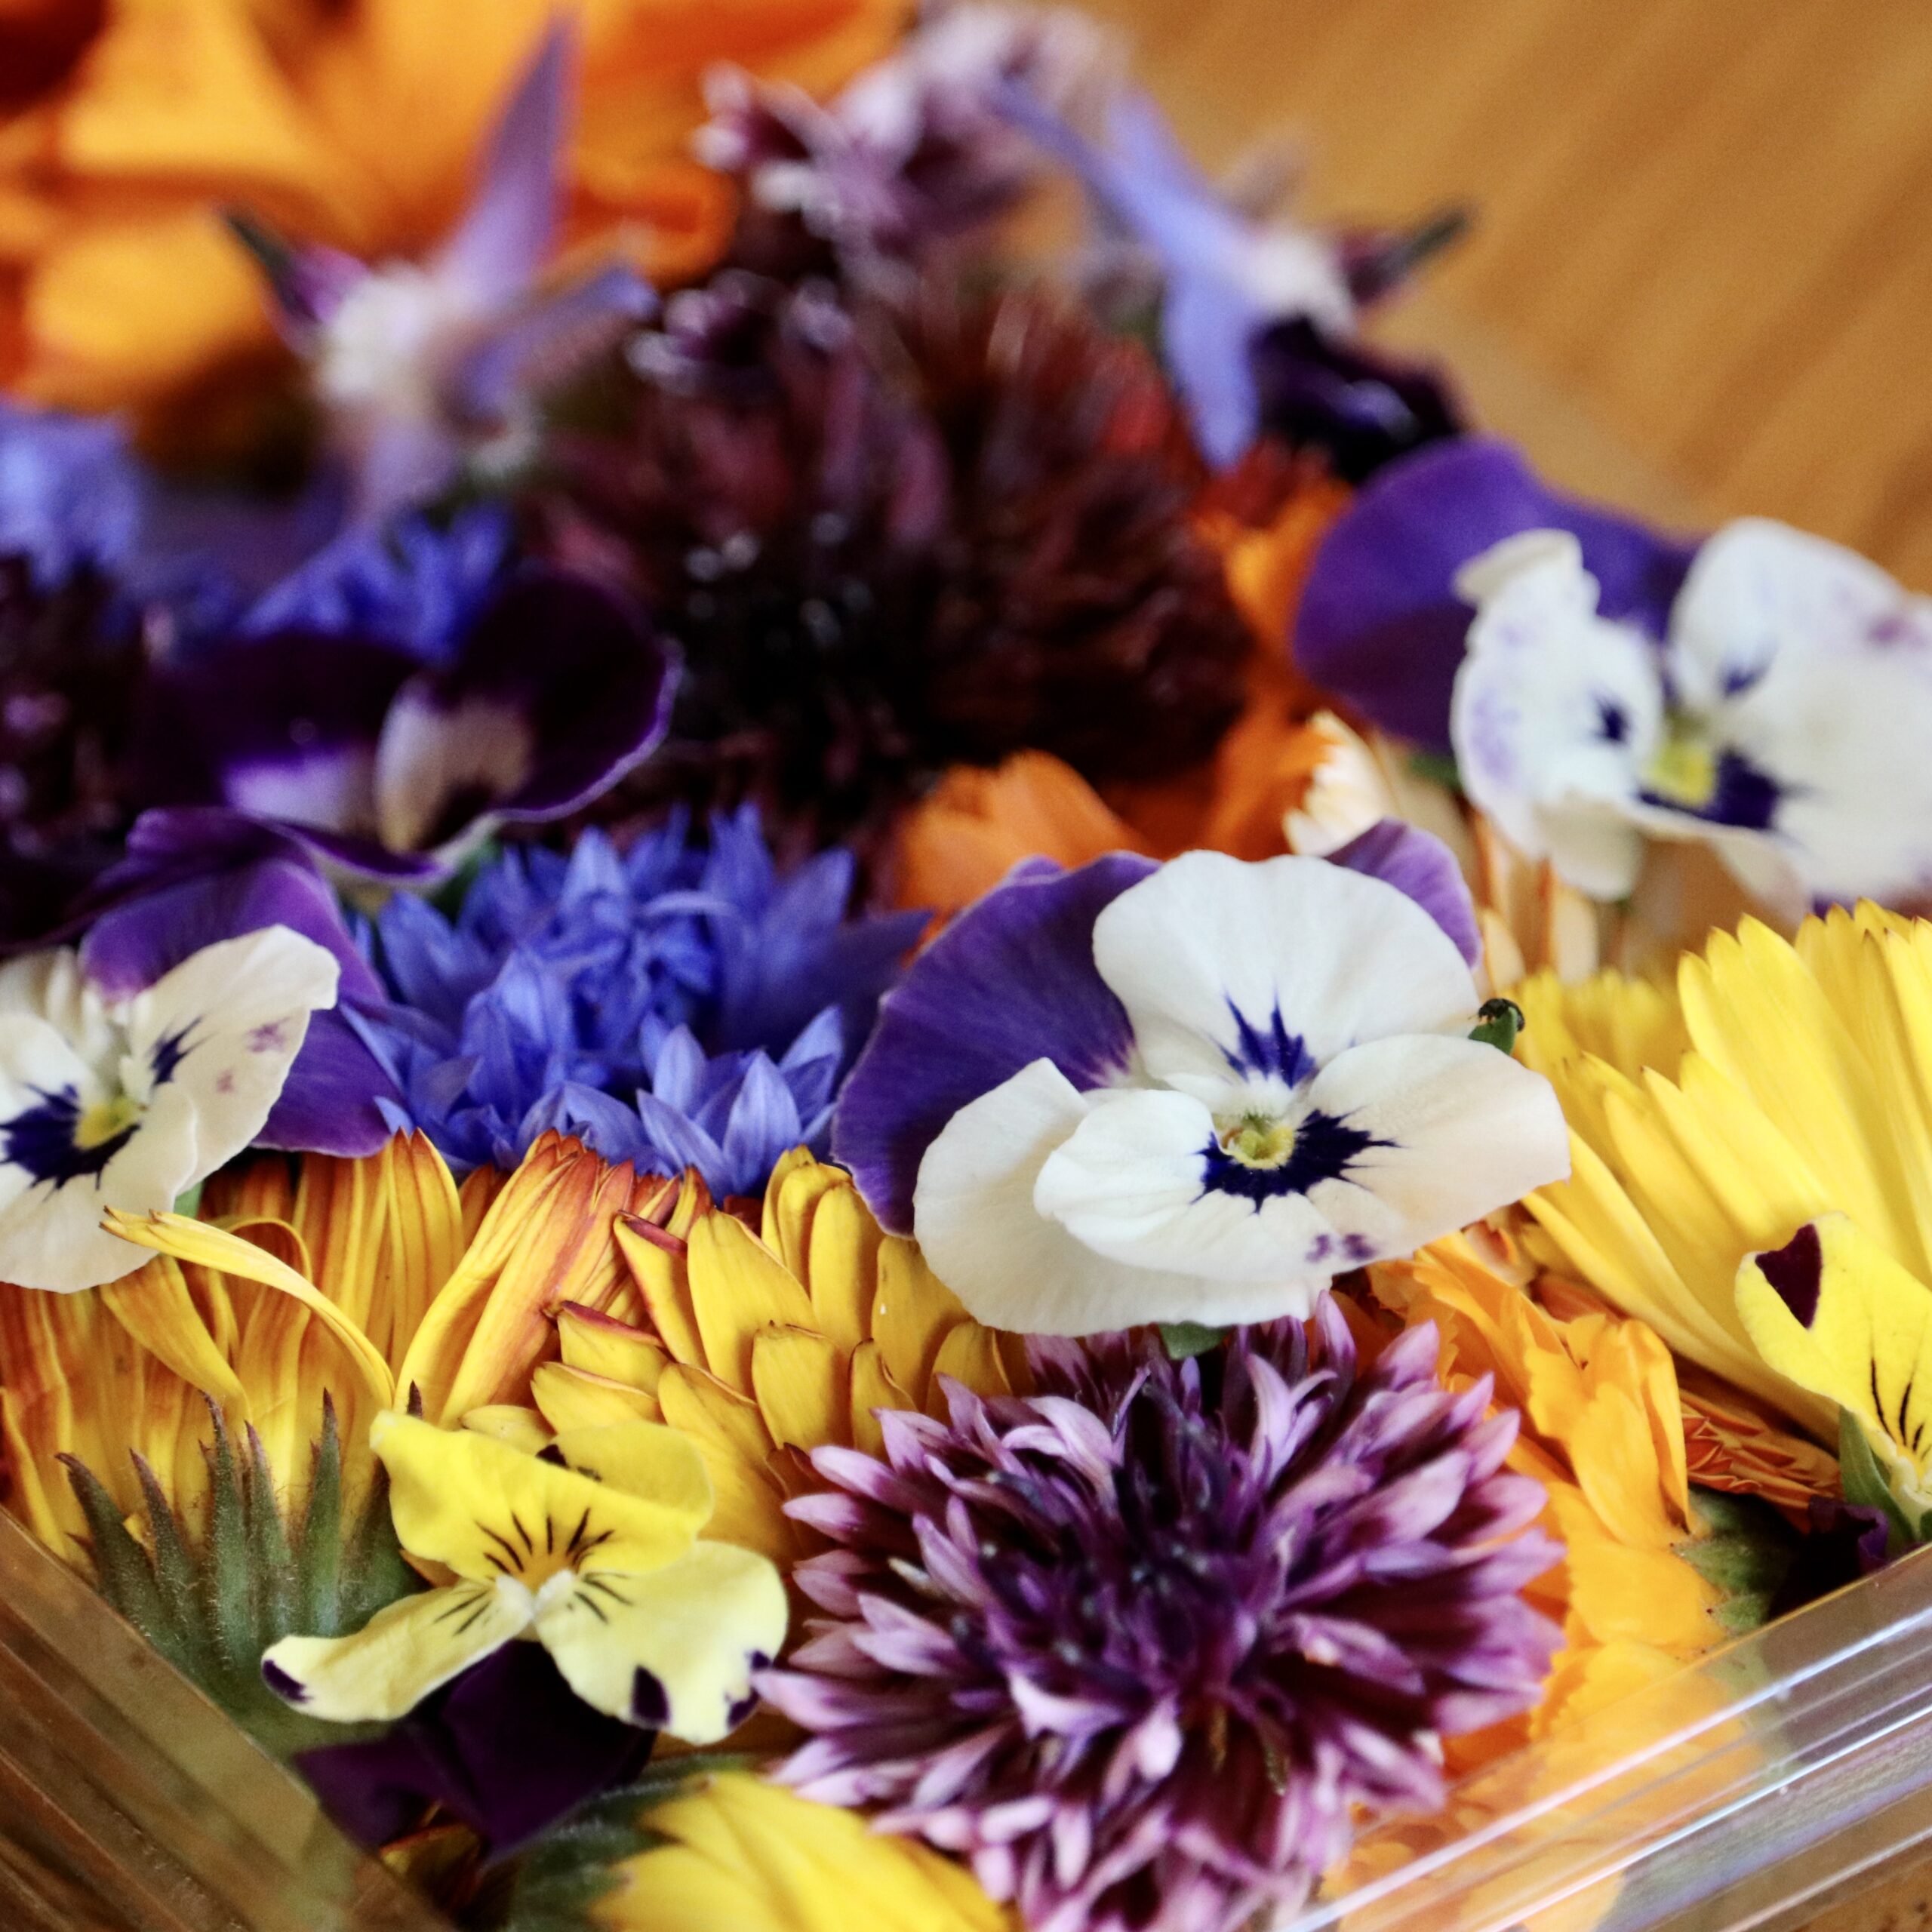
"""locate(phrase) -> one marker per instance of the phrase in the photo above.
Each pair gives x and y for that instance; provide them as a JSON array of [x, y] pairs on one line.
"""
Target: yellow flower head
[[362, 1278], [591, 1548], [762, 1347], [739, 1853], [1602, 1431], [1752, 1164]]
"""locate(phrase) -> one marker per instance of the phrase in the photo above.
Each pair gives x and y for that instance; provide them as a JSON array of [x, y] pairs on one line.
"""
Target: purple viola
[[1193, 1093], [394, 767], [1143, 1645], [418, 364]]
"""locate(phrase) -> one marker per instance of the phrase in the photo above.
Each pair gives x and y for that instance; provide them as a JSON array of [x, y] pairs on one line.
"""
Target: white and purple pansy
[[1196, 1092], [126, 1103], [1781, 717], [396, 767]]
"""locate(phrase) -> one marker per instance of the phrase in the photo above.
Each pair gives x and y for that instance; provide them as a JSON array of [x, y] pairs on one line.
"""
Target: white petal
[[1131, 1183], [1556, 711], [430, 756], [1337, 957], [973, 1213], [224, 1027], [1461, 1131]]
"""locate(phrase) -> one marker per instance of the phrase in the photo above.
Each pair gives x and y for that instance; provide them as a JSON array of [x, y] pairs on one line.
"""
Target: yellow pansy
[[739, 1853], [764, 1346], [591, 1548]]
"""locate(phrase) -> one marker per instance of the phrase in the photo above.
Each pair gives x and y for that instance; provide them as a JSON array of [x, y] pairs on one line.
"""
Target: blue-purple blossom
[[681, 1004], [1142, 1645], [70, 493]]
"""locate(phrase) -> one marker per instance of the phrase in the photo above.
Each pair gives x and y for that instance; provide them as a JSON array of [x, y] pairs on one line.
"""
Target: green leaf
[[1500, 1021], [1865, 1482], [1746, 1553], [1182, 1339], [1438, 767]]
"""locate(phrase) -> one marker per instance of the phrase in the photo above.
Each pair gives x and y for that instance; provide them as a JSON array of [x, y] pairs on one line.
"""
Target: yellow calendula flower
[[361, 1279], [125, 127], [764, 1346], [1602, 1431], [1752, 1165], [743, 1854], [590, 1549]]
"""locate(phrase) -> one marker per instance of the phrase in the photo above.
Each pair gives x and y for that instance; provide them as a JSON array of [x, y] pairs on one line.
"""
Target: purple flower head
[[195, 876], [1257, 317], [682, 1003], [395, 768], [417, 363], [1139, 1645], [915, 153], [1380, 624], [70, 494]]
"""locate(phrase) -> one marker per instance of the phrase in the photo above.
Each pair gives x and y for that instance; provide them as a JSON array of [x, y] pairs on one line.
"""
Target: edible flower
[[124, 1103], [591, 1548], [1194, 1093]]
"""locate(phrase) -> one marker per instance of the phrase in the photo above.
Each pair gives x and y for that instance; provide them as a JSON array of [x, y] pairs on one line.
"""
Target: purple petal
[[332, 1101], [1379, 622], [507, 1748], [1011, 981], [506, 235], [551, 335], [1418, 863]]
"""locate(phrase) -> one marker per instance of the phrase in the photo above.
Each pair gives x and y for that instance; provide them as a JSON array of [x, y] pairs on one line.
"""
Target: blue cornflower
[[680, 1004]]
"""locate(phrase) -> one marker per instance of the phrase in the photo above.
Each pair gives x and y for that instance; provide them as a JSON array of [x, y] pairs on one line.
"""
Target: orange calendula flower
[[362, 1280], [764, 1346], [125, 127], [1602, 1430]]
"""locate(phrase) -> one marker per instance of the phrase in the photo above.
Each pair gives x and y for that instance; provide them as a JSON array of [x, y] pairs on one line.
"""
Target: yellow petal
[[793, 1192], [842, 1271], [487, 1510], [873, 1388], [601, 1346], [706, 1407], [194, 1240], [803, 1387], [656, 1261], [154, 1307], [738, 1286], [402, 1655], [912, 1315], [423, 1239], [573, 1398], [675, 1649], [969, 1354], [522, 1428]]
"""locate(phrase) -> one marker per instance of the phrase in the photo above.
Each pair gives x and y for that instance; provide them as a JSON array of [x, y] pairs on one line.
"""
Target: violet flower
[[682, 1004], [1141, 1645], [417, 363], [395, 768], [1258, 319], [1193, 1093]]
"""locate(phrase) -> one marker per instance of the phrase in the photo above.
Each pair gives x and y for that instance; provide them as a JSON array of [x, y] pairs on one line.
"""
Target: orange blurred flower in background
[[126, 125]]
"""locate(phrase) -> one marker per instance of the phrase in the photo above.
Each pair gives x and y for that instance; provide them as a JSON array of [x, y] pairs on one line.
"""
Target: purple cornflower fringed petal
[[1417, 862], [70, 493], [1011, 981], [506, 236], [1162, 1647], [1379, 622]]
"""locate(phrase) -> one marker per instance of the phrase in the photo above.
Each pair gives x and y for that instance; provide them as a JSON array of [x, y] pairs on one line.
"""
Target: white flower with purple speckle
[[127, 1103], [1196, 1092]]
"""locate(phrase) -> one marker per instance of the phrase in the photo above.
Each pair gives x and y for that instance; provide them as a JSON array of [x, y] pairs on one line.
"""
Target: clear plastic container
[[1784, 1782], [128, 1803]]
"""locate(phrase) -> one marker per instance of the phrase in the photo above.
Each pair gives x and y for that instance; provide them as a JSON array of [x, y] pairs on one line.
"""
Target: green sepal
[[1438, 767], [557, 1882], [1864, 1484], [212, 1601], [1500, 1024], [1183, 1339], [1747, 1553]]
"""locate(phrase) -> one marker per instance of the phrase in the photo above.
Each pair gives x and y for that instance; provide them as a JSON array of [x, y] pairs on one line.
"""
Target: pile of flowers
[[858, 1074]]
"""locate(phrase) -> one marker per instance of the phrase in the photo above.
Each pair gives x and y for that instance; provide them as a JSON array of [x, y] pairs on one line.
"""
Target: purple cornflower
[[1139, 1645]]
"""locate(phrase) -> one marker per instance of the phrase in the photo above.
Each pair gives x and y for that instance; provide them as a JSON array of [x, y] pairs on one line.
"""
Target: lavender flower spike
[[1141, 1645]]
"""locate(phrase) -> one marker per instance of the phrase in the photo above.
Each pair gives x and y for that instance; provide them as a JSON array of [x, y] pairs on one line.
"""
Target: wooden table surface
[[1701, 279]]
